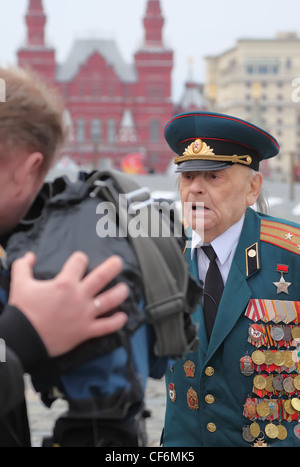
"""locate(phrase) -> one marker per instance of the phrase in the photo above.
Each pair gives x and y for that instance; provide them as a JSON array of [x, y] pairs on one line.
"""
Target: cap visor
[[201, 166]]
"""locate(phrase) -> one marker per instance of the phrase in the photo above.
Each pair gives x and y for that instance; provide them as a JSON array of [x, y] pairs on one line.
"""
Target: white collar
[[224, 244]]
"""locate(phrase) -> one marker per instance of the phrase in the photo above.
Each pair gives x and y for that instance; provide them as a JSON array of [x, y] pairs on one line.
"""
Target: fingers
[[102, 275], [22, 268], [111, 299], [104, 326], [75, 266]]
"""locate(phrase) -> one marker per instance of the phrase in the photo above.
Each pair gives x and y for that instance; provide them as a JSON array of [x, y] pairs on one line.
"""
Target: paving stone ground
[[42, 419]]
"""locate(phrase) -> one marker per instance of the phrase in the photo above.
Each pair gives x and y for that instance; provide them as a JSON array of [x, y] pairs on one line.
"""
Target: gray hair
[[261, 204]]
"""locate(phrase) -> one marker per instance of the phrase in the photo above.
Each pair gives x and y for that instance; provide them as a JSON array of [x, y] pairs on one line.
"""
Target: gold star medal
[[282, 285]]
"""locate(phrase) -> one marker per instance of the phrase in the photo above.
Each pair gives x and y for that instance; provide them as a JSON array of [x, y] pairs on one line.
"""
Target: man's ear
[[28, 170], [255, 187]]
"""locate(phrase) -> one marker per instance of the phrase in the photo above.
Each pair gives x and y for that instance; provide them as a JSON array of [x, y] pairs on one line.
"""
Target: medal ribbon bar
[[273, 311]]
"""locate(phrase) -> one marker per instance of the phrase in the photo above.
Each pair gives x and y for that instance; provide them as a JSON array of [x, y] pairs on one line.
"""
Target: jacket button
[[209, 371], [211, 427], [209, 399]]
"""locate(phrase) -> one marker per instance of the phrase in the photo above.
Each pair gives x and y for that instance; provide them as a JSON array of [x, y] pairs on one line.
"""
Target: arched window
[[96, 130], [80, 133], [111, 130], [154, 130]]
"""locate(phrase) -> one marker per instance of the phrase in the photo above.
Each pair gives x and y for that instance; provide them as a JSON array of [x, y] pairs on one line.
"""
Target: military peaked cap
[[207, 141]]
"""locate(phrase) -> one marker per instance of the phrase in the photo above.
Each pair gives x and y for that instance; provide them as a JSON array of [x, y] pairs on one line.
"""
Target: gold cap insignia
[[199, 150]]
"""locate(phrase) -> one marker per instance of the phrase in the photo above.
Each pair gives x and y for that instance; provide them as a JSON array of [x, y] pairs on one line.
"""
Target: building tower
[[153, 24], [35, 54], [154, 64]]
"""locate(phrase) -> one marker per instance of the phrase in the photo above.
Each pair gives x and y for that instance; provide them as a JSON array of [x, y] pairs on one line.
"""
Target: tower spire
[[36, 22], [153, 23], [35, 54]]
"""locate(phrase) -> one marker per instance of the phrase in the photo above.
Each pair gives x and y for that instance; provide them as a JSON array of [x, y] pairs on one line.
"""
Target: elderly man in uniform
[[242, 387]]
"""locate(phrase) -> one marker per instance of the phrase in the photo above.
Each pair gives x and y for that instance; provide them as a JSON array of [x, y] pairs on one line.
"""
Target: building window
[[155, 92], [96, 130], [154, 131], [262, 69], [111, 130], [80, 134]]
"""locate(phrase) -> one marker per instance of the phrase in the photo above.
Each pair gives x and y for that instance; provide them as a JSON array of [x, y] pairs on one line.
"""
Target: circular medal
[[263, 409], [258, 357], [271, 430], [269, 357], [255, 429], [278, 383], [279, 358], [296, 403], [288, 407], [246, 365], [297, 431], [272, 403], [296, 333], [277, 333], [297, 382], [287, 333], [259, 382], [288, 385], [282, 432], [247, 434], [269, 383], [288, 359]]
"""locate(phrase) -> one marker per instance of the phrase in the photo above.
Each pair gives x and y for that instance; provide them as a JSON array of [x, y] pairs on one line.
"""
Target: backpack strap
[[164, 269]]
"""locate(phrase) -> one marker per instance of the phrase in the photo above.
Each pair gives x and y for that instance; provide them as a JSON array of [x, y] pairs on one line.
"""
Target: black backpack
[[63, 220]]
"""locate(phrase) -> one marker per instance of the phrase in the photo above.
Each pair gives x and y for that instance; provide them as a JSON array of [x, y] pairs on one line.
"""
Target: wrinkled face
[[214, 201]]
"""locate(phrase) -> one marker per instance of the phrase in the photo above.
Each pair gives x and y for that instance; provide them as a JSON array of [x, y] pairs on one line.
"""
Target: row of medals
[[271, 383]]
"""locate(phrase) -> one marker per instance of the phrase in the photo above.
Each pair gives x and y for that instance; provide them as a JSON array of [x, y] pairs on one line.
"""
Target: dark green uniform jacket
[[215, 399]]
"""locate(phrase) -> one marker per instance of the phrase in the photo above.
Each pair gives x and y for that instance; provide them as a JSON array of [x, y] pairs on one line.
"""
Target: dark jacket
[[24, 350]]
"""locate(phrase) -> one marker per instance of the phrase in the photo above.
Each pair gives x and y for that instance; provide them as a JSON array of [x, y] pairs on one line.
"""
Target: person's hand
[[65, 310]]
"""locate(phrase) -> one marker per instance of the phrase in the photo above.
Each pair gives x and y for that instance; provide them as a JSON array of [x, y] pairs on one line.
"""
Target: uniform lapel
[[236, 293], [198, 315]]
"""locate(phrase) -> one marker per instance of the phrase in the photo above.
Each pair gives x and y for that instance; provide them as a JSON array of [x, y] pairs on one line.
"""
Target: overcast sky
[[193, 28]]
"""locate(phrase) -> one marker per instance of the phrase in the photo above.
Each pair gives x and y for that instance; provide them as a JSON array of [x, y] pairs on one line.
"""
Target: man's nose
[[198, 184]]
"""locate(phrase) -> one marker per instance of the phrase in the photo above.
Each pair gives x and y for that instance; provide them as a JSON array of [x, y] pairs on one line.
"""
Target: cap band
[[199, 150]]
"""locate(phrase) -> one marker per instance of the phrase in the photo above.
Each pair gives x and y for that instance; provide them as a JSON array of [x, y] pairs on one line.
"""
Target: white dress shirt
[[224, 246]]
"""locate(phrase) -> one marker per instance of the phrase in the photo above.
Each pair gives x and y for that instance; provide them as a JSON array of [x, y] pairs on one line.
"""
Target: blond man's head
[[31, 118], [31, 134]]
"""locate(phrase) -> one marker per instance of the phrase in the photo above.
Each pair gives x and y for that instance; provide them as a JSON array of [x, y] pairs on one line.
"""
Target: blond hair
[[31, 118]]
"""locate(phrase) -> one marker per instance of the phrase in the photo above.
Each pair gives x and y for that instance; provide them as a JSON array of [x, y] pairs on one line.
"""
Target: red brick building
[[115, 109]]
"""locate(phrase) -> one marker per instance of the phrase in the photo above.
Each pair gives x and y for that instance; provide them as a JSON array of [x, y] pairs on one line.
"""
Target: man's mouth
[[200, 207]]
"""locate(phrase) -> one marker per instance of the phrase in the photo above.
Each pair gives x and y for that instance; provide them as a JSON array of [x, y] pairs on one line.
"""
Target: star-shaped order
[[288, 236], [282, 285]]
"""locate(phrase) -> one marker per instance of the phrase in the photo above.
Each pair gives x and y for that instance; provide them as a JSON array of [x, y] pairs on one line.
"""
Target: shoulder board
[[282, 235]]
